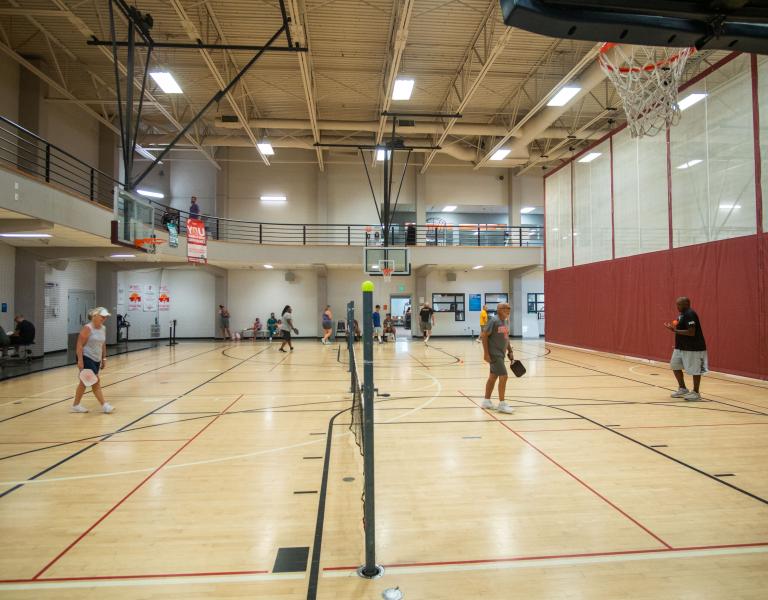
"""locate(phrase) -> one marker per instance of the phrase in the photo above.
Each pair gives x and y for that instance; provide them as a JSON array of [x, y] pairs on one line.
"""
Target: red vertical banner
[[197, 247]]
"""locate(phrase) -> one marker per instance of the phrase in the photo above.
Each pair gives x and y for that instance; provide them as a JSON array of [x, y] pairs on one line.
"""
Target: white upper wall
[[451, 185], [70, 128], [192, 177], [7, 284], [9, 90]]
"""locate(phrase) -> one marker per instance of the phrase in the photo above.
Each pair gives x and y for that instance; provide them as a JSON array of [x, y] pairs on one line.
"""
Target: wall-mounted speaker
[[450, 276], [290, 276]]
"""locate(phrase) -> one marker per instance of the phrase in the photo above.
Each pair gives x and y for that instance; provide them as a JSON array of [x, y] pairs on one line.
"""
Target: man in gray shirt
[[496, 345]]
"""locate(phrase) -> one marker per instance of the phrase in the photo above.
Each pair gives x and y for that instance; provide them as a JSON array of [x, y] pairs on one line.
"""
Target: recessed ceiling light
[[266, 148], [268, 267], [274, 199], [477, 267], [527, 209], [500, 154], [150, 194], [380, 154], [166, 82], [403, 89], [690, 100], [450, 208], [589, 157], [689, 164], [564, 96], [122, 256], [25, 235]]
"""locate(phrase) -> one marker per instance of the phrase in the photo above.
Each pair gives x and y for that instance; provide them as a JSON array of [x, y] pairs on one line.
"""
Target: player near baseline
[[496, 344]]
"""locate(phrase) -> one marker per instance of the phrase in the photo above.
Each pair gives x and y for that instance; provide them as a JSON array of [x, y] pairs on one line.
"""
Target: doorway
[[398, 308], [79, 302]]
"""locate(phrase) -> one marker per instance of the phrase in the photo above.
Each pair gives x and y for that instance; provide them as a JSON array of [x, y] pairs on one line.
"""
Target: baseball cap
[[101, 311]]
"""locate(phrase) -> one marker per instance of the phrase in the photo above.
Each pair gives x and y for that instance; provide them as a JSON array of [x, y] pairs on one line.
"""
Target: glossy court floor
[[599, 486]]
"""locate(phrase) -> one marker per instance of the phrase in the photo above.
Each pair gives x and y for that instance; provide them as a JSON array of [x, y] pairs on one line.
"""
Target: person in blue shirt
[[377, 330]]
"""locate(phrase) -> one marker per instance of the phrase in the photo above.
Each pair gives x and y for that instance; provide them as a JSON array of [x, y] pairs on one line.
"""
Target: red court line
[[129, 494], [481, 561], [642, 427], [119, 577], [95, 440], [562, 468]]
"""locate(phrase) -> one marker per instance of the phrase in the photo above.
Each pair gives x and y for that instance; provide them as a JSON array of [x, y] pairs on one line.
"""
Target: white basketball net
[[387, 267], [647, 79]]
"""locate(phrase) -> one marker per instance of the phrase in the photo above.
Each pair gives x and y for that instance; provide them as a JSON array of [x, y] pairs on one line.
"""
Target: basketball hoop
[[387, 267], [647, 79], [149, 244]]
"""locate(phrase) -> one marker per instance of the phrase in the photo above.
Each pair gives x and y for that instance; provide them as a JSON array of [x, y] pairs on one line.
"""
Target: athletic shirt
[[95, 344], [376, 319], [693, 343], [498, 336], [285, 326], [327, 318], [483, 318], [426, 314]]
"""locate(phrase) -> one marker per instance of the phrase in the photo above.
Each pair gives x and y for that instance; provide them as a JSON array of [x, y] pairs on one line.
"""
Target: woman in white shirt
[[92, 355]]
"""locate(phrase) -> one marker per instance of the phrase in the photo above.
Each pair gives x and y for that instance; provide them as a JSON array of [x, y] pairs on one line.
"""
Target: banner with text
[[134, 296], [164, 298], [197, 248]]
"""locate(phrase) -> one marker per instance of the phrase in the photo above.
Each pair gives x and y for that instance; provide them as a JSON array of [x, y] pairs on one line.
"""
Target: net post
[[370, 569], [351, 340]]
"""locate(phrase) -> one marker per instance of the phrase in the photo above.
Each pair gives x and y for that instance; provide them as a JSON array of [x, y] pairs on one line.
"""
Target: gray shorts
[[691, 361], [498, 367], [224, 322], [426, 326], [377, 331]]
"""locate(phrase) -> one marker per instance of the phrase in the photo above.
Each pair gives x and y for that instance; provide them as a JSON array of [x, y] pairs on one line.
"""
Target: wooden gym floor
[[206, 480]]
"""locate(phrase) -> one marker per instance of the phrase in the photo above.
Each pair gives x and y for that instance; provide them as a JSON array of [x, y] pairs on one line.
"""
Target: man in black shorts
[[690, 353], [427, 319], [495, 339]]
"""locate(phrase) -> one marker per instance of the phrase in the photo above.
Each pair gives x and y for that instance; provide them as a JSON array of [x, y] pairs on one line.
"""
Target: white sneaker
[[78, 408], [692, 396], [107, 408], [680, 393], [487, 404], [505, 408]]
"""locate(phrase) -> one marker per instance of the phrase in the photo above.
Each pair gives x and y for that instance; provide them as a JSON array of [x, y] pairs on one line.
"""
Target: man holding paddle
[[496, 344]]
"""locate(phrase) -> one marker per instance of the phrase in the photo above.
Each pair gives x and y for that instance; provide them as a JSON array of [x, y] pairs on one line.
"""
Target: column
[[514, 199], [322, 197], [421, 207], [106, 295], [31, 153], [322, 298], [108, 159], [29, 299]]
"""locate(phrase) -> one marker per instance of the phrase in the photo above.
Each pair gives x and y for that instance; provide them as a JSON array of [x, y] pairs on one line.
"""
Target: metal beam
[[397, 41], [86, 31], [30, 12], [198, 45], [456, 101], [299, 28], [194, 34]]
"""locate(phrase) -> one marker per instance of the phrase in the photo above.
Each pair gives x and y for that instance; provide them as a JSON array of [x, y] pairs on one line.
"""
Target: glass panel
[[762, 90], [592, 205], [558, 219]]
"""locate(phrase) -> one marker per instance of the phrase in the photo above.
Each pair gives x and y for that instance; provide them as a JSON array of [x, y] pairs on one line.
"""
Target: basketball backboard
[[372, 258], [702, 24], [134, 219]]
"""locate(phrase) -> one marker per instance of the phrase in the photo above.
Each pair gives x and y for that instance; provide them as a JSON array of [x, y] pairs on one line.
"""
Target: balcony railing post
[[260, 242], [478, 235], [217, 229], [349, 235], [304, 229], [520, 230], [47, 163], [92, 185]]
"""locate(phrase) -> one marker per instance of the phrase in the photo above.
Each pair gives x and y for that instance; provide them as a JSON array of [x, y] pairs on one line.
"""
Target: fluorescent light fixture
[[146, 153], [268, 267], [150, 194], [274, 199], [25, 235], [500, 154], [166, 82], [403, 89], [730, 206], [689, 164], [589, 157], [122, 256], [477, 267], [266, 148], [450, 208], [527, 209], [690, 100], [380, 154], [564, 96]]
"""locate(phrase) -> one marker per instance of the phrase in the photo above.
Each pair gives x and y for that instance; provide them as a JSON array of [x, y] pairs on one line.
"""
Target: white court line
[[530, 563], [150, 581], [219, 459]]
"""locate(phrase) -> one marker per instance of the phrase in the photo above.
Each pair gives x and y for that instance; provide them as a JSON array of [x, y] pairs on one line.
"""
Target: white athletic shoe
[[503, 407], [107, 408], [487, 404], [78, 408], [680, 393], [692, 396]]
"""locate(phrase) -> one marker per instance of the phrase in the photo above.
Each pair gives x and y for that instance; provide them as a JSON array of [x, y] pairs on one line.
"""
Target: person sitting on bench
[[24, 335], [5, 342]]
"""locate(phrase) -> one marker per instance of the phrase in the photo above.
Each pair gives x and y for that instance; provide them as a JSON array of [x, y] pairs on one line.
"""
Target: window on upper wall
[[492, 301], [536, 305], [713, 161], [454, 303]]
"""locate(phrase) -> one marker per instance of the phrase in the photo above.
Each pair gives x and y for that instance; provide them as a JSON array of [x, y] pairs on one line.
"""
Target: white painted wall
[[532, 283], [7, 284], [79, 275], [344, 285], [193, 302], [9, 90], [450, 185], [349, 193], [70, 128], [193, 176]]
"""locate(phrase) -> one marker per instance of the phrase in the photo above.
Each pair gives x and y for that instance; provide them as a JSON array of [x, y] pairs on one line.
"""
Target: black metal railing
[[27, 152]]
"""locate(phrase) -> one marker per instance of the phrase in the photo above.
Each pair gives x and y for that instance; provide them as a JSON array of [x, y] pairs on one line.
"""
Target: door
[[79, 302], [398, 306]]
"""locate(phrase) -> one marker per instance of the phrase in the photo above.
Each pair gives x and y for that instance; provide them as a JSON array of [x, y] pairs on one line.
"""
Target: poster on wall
[[134, 296], [475, 303], [173, 235], [197, 249], [150, 297], [164, 299]]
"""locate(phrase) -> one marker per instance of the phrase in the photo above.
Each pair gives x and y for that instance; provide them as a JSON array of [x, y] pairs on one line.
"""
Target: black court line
[[306, 492], [660, 453], [725, 474], [107, 436], [105, 386]]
